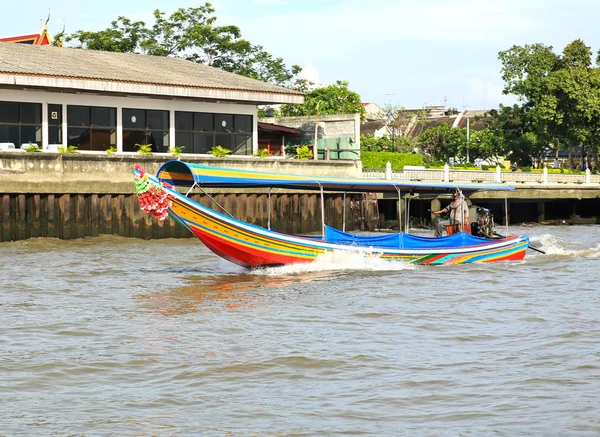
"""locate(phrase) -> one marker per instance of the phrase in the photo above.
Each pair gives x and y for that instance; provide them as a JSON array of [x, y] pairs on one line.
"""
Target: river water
[[124, 337]]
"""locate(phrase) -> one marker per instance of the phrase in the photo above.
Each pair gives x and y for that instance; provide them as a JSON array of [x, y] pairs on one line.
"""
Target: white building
[[97, 100]]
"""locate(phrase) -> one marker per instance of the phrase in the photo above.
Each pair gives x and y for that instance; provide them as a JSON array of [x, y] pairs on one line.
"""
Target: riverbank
[[76, 195]]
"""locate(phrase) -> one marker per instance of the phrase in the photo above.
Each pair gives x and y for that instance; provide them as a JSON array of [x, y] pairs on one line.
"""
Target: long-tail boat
[[166, 195]]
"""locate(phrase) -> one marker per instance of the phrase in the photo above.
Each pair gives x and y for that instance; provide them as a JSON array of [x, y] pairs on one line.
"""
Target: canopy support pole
[[269, 210], [191, 188], [407, 216], [462, 209], [399, 208], [506, 211], [215, 202], [344, 214], [322, 210]]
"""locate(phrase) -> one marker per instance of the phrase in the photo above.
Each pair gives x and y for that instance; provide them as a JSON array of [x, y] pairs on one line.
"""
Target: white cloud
[[310, 73]]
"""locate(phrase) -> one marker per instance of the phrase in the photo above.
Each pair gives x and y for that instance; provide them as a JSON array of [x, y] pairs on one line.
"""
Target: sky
[[403, 53]]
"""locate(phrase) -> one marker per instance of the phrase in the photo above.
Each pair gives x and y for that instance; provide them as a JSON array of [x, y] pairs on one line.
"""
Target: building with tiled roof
[[97, 100]]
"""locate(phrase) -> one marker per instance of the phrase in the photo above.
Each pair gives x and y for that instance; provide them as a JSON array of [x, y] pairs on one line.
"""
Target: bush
[[68, 149], [176, 150], [219, 151], [262, 153], [303, 152], [32, 148], [398, 160], [144, 149]]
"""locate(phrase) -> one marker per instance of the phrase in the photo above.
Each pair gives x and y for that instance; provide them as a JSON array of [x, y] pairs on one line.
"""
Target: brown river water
[[111, 336]]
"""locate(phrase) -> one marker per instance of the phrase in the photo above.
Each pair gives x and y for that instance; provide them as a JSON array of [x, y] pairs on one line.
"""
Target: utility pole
[[468, 120]]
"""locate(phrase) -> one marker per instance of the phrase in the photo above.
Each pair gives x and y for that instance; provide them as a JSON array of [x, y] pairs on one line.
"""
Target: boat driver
[[457, 212]]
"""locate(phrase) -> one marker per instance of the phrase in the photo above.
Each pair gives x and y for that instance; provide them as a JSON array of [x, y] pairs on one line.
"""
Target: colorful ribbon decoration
[[153, 198]]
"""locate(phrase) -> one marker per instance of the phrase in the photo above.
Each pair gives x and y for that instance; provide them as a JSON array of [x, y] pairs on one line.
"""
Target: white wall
[[133, 102]]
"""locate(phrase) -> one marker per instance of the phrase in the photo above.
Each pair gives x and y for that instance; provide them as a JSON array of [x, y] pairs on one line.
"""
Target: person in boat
[[457, 212]]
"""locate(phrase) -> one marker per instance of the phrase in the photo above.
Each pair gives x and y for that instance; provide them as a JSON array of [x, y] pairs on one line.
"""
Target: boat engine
[[484, 224]]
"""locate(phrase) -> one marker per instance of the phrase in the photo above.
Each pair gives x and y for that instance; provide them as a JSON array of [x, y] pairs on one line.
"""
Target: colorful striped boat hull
[[252, 246]]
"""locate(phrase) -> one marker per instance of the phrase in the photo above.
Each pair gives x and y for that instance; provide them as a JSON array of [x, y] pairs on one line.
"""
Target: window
[[199, 132], [90, 127], [21, 123], [54, 124], [141, 126]]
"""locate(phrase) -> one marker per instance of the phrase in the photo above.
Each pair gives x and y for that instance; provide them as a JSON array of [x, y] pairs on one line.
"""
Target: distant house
[[413, 122], [475, 119], [274, 137], [372, 111], [337, 135]]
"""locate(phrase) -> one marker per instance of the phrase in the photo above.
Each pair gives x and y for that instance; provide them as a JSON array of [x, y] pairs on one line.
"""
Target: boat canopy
[[182, 174]]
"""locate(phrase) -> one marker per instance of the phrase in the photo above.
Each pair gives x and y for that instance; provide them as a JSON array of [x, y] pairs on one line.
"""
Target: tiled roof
[[369, 127], [428, 123], [58, 62]]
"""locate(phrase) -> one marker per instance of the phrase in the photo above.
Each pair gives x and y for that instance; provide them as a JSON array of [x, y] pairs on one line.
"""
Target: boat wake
[[557, 246], [337, 261]]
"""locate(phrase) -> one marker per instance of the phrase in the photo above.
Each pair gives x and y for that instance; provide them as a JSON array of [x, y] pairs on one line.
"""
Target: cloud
[[310, 73]]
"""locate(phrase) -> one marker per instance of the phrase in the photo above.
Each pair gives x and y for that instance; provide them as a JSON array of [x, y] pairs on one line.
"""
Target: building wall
[[118, 102], [343, 127]]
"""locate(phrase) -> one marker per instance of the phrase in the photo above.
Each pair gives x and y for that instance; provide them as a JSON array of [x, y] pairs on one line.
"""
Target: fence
[[448, 175]]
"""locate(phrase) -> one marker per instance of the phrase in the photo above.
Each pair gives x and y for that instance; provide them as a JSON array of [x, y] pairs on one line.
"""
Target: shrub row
[[398, 160]]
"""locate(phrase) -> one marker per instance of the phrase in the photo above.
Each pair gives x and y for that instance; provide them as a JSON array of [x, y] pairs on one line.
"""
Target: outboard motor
[[484, 224]]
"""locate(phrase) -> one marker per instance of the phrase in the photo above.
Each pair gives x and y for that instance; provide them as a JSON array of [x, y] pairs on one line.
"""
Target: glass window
[[223, 123], [134, 119], [79, 137], [78, 116], [203, 143], [185, 139], [225, 141], [31, 134], [90, 127], [243, 145], [243, 123], [9, 134], [31, 113], [9, 112], [54, 135], [54, 115], [103, 139], [204, 122], [209, 130], [158, 120], [20, 123], [104, 117], [184, 121], [142, 127], [133, 137]]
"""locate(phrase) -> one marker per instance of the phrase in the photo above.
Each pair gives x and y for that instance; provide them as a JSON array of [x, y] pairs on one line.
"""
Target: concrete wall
[[74, 195], [22, 172], [329, 127]]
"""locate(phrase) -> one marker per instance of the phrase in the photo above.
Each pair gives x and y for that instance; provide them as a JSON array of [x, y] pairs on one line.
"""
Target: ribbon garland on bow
[[153, 198]]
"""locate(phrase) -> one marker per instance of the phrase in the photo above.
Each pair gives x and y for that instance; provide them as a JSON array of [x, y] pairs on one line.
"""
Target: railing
[[447, 175]]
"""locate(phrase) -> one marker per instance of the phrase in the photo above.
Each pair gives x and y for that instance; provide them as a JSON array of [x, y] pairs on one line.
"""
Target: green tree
[[442, 142], [190, 33], [332, 99], [560, 95]]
